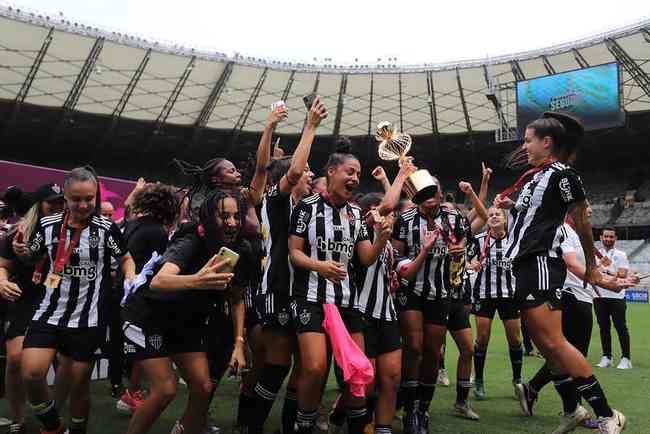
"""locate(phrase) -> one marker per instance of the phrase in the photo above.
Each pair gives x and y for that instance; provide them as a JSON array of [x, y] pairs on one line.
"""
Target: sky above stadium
[[412, 32]]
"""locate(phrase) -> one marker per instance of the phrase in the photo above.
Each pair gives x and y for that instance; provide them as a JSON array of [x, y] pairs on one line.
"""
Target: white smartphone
[[225, 252]]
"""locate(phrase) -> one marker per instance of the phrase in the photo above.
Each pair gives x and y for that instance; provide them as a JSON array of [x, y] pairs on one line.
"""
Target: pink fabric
[[357, 369]]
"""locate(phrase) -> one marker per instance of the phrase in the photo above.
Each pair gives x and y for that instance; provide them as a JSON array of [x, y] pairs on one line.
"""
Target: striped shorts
[[539, 280]]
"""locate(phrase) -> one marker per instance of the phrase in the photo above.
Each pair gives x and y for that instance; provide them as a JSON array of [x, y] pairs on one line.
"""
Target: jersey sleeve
[[300, 218], [115, 242], [570, 186], [568, 243], [245, 268], [182, 252], [36, 242], [363, 234], [6, 249], [400, 230]]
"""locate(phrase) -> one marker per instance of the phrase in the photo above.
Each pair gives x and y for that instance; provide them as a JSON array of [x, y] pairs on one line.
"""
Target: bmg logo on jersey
[[85, 270], [345, 246], [113, 246]]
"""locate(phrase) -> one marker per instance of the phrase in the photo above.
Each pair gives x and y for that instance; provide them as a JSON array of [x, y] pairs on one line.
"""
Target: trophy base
[[425, 194], [420, 186]]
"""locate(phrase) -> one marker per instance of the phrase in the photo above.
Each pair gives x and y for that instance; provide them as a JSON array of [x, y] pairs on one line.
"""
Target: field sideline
[[627, 391]]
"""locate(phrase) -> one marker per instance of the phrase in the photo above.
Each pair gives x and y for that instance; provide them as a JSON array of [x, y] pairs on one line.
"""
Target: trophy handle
[[403, 159]]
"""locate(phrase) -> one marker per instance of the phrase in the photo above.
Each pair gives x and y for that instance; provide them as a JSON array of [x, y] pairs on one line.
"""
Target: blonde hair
[[29, 220]]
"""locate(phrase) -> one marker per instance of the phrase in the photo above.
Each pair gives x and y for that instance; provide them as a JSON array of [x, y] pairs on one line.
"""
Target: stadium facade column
[[27, 83], [577, 55], [547, 64], [517, 71], [339, 107], [210, 104], [124, 100], [159, 123], [372, 95], [463, 103], [77, 89], [399, 89], [630, 66], [239, 126]]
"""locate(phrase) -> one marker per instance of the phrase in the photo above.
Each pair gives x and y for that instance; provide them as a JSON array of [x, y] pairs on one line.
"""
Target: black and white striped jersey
[[433, 278], [77, 301], [495, 279], [276, 211], [540, 209], [375, 298], [330, 233]]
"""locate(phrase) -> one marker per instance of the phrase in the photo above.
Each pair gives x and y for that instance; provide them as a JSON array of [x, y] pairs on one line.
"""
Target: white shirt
[[573, 283], [618, 260]]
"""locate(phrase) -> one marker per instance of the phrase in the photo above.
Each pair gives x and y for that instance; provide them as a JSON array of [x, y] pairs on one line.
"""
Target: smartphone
[[309, 100], [644, 276], [225, 252], [277, 104]]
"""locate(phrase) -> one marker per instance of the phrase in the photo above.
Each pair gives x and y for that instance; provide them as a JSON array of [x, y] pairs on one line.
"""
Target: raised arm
[[485, 181], [392, 196], [264, 153], [380, 175], [316, 114], [409, 271], [480, 217], [369, 252], [168, 278]]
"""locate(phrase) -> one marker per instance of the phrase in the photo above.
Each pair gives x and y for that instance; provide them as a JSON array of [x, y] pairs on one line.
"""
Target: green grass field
[[627, 391]]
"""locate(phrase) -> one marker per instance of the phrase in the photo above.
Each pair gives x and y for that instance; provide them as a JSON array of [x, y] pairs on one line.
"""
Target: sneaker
[[605, 362], [178, 428], [410, 423], [116, 390], [625, 363], [514, 385], [443, 378], [589, 423], [130, 402], [612, 425], [212, 427], [465, 411], [479, 391], [323, 421], [526, 398], [17, 428], [423, 422], [570, 421]]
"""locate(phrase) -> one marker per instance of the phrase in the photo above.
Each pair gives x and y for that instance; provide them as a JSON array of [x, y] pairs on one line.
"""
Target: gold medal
[[52, 280]]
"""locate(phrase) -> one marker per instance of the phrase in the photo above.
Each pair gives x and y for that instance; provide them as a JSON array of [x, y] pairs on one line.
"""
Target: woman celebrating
[[69, 319], [494, 291], [23, 291], [327, 233], [551, 190], [165, 322]]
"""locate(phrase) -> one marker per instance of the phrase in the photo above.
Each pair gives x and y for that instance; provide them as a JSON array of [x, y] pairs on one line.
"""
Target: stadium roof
[[50, 61]]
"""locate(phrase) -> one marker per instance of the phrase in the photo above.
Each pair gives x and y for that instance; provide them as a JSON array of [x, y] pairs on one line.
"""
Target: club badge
[[283, 318], [156, 341], [93, 241], [305, 317]]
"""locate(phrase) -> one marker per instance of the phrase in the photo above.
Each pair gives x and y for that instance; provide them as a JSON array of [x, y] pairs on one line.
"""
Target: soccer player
[[494, 291], [291, 182], [69, 319], [164, 322], [612, 305], [326, 233], [23, 290], [548, 192]]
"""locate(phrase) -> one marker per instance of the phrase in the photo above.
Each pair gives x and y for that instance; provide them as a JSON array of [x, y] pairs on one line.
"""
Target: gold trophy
[[394, 145]]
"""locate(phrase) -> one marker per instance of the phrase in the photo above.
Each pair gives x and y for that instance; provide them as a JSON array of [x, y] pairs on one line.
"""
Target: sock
[[425, 396], [516, 361], [266, 390], [383, 429], [410, 393], [246, 404], [400, 399], [371, 403], [305, 421], [289, 410], [46, 414], [590, 390], [567, 391], [541, 379], [479, 361], [357, 420], [77, 426], [462, 389], [442, 360]]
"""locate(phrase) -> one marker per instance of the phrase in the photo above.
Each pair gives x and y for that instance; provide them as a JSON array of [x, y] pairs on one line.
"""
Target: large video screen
[[591, 94]]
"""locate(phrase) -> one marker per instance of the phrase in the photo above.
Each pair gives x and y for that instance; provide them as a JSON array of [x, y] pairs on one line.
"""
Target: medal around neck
[[393, 145]]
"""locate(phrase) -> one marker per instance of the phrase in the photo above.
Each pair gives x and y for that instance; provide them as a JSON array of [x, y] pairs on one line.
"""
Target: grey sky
[[411, 31]]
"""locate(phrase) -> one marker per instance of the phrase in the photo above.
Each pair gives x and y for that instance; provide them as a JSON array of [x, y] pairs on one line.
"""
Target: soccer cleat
[[625, 363], [178, 428], [410, 423], [514, 384], [4, 422], [570, 421], [323, 421], [130, 402], [589, 423], [443, 378], [116, 390], [465, 411], [212, 427], [612, 425], [423, 422], [479, 391], [605, 362], [526, 398]]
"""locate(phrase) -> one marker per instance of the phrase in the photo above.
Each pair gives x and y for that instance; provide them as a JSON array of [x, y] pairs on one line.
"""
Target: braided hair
[[208, 229]]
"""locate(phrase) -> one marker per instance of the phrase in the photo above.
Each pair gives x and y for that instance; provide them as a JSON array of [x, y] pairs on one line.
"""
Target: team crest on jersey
[[156, 341], [565, 190], [558, 293], [93, 241], [56, 189], [477, 306], [402, 300], [283, 318], [305, 317]]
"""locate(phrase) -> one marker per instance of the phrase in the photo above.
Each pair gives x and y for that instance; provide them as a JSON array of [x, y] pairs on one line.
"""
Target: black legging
[[614, 308]]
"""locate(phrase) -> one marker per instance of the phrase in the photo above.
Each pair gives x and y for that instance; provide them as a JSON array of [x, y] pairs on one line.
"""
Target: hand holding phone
[[232, 256]]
